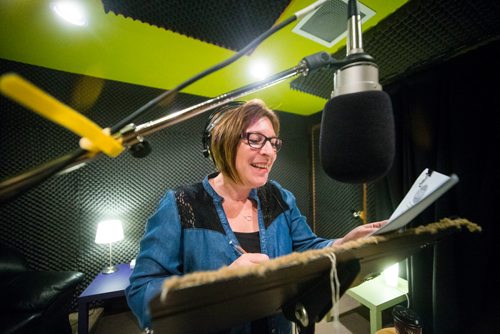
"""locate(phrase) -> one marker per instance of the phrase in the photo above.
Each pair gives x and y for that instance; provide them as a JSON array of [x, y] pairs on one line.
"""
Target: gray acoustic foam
[[335, 201], [419, 34]]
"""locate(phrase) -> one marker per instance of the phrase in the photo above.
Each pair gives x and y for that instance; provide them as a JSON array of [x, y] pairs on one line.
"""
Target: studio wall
[[54, 223]]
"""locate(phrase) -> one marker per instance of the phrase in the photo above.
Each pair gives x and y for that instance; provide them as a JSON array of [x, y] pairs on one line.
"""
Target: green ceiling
[[122, 49]]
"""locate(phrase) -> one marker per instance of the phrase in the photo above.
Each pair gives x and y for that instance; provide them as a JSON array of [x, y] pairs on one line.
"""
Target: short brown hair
[[226, 134]]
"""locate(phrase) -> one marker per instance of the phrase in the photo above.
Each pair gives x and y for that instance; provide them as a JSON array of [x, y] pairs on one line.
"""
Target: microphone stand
[[132, 136]]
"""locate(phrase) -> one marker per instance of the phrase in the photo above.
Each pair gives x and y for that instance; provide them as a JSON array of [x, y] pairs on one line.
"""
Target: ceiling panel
[[403, 36], [421, 33], [229, 24]]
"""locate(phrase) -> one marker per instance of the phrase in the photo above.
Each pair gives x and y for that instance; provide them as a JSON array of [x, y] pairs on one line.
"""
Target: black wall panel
[[334, 202]]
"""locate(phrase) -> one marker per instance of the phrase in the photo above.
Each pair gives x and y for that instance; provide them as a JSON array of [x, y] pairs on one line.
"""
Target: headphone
[[212, 121]]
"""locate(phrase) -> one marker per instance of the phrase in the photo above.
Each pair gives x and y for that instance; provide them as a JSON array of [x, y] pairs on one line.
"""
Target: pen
[[237, 248]]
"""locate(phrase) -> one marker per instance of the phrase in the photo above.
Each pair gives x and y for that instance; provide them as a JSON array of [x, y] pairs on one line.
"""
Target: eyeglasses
[[258, 140]]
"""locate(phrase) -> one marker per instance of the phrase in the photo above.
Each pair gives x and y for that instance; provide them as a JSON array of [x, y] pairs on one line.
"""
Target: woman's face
[[254, 164]]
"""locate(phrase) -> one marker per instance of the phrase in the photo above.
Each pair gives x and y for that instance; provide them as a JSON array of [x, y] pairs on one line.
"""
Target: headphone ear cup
[[207, 133], [206, 143], [210, 125]]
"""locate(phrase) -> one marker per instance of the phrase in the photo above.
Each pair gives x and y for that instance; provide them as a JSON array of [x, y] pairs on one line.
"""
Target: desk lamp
[[109, 231], [391, 275]]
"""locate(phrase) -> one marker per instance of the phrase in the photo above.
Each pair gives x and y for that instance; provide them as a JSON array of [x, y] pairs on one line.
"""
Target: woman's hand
[[360, 232], [249, 259]]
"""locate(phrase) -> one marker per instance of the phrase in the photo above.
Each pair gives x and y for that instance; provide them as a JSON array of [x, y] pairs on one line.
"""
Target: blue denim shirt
[[175, 244]]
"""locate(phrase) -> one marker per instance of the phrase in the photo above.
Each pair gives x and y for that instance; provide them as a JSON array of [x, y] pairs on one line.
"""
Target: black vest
[[197, 209]]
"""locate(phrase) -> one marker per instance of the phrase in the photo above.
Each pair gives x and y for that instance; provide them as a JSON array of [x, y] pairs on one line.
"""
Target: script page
[[428, 187]]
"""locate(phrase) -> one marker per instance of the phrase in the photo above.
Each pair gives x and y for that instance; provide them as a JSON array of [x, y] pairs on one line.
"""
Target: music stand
[[217, 300]]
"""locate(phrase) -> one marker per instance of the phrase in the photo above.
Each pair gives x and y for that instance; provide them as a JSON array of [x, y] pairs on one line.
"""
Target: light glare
[[71, 12], [260, 69], [391, 275]]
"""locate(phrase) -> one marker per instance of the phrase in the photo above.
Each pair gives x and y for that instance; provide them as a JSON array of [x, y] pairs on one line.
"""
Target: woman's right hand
[[249, 259]]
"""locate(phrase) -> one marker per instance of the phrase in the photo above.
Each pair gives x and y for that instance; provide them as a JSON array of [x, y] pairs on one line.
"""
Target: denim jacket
[[190, 232]]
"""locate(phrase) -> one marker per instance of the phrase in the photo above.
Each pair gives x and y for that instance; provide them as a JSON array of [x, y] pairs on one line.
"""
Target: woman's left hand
[[360, 232]]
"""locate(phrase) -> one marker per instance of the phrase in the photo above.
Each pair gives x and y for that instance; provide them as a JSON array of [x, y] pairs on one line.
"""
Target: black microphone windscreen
[[357, 137]]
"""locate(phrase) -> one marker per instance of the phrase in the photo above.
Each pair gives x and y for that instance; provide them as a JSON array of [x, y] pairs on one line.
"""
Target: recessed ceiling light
[[260, 69], [71, 11]]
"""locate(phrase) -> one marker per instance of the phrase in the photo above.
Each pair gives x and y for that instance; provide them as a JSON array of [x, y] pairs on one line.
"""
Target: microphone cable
[[17, 184], [251, 46], [162, 97]]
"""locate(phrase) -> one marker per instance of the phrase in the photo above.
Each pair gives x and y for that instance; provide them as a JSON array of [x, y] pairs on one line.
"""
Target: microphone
[[357, 135]]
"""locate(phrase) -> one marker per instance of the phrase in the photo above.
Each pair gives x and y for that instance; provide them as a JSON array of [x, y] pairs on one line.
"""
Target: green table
[[378, 296]]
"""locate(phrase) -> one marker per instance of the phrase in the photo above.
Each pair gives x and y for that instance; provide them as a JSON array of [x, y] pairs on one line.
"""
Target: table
[[378, 296], [104, 286]]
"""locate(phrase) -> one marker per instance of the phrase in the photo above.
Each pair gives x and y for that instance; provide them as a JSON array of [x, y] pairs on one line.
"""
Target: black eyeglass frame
[[277, 145]]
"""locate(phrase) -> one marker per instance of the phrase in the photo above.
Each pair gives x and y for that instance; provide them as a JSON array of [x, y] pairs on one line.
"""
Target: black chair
[[34, 301]]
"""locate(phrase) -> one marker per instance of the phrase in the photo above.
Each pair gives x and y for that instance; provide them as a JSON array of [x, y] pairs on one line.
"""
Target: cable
[[15, 185], [148, 106], [252, 45], [407, 301]]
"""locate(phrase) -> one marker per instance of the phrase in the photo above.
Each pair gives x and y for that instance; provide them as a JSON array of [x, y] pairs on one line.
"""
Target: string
[[335, 287]]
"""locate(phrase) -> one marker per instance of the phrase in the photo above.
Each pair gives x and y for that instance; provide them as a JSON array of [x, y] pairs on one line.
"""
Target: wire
[[15, 185], [162, 97]]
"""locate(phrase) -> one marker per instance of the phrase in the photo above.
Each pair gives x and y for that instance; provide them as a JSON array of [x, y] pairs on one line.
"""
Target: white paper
[[427, 188]]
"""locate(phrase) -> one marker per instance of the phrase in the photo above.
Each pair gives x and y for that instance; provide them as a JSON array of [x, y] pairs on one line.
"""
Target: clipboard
[[427, 188]]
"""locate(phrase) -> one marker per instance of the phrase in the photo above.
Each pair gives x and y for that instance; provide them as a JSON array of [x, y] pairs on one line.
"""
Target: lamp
[[109, 231], [391, 275]]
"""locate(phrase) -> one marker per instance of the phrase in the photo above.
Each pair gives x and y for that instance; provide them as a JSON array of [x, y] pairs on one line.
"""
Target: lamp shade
[[391, 275], [109, 231]]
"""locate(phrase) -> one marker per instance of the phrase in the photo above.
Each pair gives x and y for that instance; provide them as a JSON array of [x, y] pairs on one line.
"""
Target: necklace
[[248, 218]]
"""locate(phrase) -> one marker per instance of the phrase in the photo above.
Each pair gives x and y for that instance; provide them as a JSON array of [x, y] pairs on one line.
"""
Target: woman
[[235, 217]]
